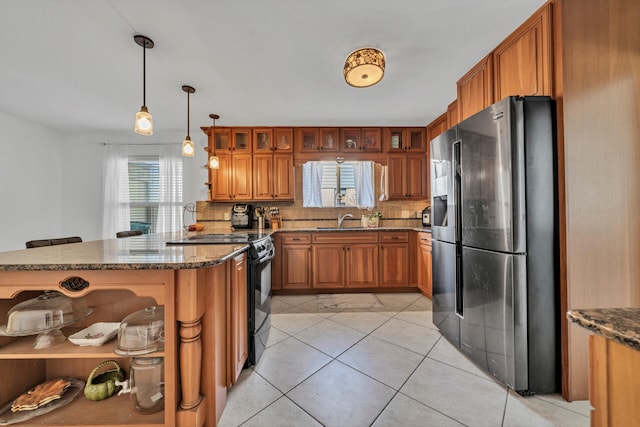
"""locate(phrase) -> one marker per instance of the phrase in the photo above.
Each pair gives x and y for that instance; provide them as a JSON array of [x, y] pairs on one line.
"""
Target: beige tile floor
[[376, 367]]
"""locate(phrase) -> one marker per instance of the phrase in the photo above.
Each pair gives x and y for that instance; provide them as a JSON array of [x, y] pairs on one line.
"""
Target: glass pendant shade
[[144, 122], [188, 149], [214, 162]]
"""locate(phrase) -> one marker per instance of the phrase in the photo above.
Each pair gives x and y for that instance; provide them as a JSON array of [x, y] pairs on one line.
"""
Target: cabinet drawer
[[294, 238], [346, 237], [392, 237]]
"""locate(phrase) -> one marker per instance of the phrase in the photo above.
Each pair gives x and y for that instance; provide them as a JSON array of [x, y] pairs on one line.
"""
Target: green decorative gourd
[[103, 385]]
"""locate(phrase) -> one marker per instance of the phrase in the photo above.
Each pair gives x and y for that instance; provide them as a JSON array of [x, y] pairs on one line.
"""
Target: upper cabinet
[[267, 140], [312, 140], [452, 114], [475, 89], [522, 62], [437, 126], [354, 140], [405, 139]]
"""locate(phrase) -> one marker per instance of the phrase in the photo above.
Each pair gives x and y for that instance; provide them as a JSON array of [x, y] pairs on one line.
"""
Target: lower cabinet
[[423, 251], [394, 258], [345, 259], [613, 393], [112, 295], [295, 259]]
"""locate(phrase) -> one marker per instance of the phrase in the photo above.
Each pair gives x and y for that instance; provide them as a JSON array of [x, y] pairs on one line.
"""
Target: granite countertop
[[323, 229], [146, 252], [618, 324]]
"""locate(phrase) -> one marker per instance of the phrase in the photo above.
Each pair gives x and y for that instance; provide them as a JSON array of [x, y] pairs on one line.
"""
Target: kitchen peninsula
[[118, 277]]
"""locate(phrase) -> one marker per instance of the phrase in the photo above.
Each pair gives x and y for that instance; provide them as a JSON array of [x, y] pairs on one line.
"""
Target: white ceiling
[[73, 65]]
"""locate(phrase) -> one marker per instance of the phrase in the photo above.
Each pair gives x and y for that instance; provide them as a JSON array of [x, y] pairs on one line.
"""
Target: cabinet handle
[[395, 237], [295, 238], [74, 284]]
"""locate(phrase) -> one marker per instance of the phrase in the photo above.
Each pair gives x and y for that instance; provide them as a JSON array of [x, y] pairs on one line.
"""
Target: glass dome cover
[[50, 311], [141, 332]]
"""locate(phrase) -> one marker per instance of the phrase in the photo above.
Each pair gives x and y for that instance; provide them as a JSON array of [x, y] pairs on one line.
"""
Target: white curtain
[[363, 183], [170, 206], [312, 188], [116, 214]]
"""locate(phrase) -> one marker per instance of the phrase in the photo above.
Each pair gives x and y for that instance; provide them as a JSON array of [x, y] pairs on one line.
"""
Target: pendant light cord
[[188, 112], [144, 73]]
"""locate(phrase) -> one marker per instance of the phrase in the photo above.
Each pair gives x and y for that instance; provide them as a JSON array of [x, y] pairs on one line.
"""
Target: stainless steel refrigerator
[[495, 241]]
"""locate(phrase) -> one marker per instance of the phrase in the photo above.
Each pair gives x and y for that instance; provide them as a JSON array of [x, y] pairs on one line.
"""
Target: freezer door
[[493, 332], [443, 209], [492, 181], [444, 290]]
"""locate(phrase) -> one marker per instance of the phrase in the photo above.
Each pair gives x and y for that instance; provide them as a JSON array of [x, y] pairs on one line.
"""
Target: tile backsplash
[[406, 213]]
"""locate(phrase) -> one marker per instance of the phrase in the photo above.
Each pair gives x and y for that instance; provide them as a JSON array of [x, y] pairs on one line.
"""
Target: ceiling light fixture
[[364, 67], [214, 161], [188, 149], [144, 121]]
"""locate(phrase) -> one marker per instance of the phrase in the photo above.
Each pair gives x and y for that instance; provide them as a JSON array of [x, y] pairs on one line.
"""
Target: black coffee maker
[[426, 217]]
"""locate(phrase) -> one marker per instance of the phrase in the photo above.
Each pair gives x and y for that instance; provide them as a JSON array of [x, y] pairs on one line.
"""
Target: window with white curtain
[[143, 192]]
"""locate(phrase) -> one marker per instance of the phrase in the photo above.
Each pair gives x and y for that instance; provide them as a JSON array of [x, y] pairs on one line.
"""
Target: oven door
[[261, 289]]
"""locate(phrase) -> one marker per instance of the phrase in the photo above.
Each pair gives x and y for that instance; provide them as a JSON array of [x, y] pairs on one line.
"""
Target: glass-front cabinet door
[[262, 140], [241, 140], [371, 140], [222, 139], [329, 139], [307, 140], [416, 139], [350, 139], [283, 140]]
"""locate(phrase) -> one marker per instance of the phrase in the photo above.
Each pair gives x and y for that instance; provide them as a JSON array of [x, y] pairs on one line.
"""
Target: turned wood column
[[190, 305]]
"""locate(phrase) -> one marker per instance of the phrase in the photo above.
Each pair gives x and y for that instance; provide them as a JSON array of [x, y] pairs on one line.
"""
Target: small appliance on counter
[[426, 216], [241, 215]]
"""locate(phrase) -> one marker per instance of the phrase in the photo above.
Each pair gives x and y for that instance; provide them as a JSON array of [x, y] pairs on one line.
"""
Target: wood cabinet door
[[424, 265], [415, 140], [328, 139], [522, 62], [221, 189], [263, 177], [296, 266], [328, 266], [283, 140], [242, 176], [394, 259], [361, 262], [283, 185], [475, 89], [241, 140], [307, 140], [350, 139], [371, 140], [222, 140], [396, 170], [394, 140], [417, 181], [263, 140], [239, 316]]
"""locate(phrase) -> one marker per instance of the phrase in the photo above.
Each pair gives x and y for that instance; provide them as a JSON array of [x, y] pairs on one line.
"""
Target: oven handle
[[265, 258]]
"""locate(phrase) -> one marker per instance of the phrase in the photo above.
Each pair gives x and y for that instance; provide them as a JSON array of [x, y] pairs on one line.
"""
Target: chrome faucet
[[341, 218]]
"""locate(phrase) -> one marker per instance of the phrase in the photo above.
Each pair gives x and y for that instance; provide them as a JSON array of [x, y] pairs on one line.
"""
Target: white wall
[[51, 184], [30, 182]]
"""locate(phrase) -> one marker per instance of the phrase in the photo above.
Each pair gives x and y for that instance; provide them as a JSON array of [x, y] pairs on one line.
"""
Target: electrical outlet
[[227, 216]]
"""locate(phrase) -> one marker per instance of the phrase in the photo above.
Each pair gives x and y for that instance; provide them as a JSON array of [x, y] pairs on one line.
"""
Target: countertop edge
[[618, 324]]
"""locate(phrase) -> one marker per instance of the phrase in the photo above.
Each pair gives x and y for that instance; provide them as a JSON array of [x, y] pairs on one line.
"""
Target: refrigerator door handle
[[456, 163]]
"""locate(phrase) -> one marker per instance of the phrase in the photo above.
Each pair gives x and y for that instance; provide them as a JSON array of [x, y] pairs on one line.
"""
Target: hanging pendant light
[[364, 67], [188, 149], [214, 161], [144, 121]]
